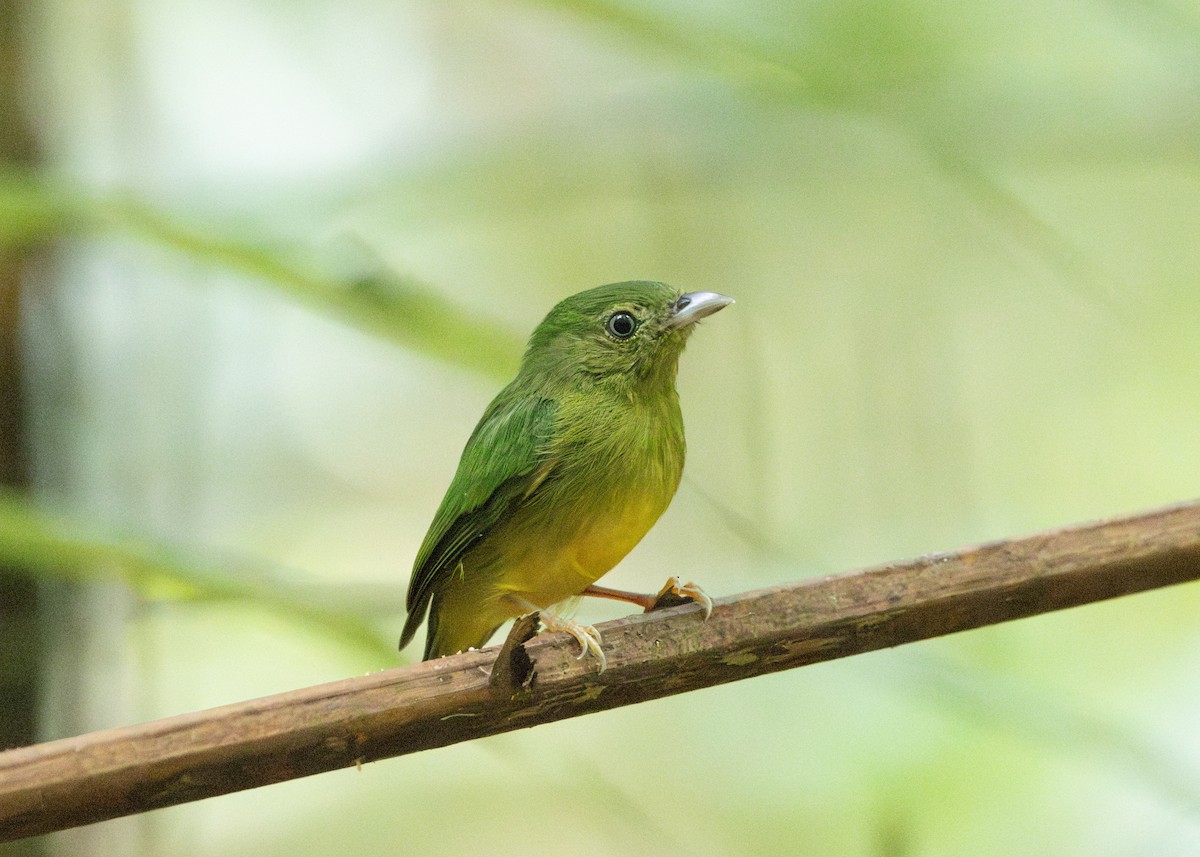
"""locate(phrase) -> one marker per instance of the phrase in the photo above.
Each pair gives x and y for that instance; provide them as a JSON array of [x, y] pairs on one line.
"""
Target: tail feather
[[448, 640], [411, 624]]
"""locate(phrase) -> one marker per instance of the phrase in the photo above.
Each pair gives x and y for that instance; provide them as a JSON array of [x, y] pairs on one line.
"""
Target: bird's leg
[[587, 636], [673, 593], [638, 598]]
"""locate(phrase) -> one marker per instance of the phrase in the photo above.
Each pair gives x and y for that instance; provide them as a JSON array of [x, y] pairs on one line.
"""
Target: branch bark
[[122, 771]]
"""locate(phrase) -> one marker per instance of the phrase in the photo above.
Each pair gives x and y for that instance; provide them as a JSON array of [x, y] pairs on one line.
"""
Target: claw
[[690, 591], [586, 636]]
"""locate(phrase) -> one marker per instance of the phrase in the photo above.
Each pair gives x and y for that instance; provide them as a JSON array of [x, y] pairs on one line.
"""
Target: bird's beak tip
[[694, 306]]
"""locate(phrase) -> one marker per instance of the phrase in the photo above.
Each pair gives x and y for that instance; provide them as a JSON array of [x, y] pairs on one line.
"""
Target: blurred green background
[[276, 257]]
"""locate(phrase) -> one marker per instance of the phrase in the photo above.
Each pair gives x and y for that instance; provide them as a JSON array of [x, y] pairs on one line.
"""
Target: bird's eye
[[621, 324]]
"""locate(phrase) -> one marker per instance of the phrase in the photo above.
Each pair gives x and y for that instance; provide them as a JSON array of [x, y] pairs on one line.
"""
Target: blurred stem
[[740, 62], [379, 302], [47, 545]]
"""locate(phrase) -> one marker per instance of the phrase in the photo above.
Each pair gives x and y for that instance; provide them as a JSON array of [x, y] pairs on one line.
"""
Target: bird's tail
[[440, 642]]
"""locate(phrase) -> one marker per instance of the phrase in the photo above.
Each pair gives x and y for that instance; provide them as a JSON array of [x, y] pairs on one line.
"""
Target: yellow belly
[[531, 562], [545, 571]]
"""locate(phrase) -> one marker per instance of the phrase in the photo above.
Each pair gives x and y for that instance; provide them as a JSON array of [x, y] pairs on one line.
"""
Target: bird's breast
[[604, 539], [602, 496], [558, 556]]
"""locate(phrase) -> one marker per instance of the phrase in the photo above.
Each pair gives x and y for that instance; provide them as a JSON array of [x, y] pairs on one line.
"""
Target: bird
[[569, 467]]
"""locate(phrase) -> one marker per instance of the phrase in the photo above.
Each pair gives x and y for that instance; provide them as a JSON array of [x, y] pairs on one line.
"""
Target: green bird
[[570, 465]]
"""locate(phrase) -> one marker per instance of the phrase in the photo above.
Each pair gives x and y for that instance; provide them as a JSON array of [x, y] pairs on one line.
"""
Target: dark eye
[[621, 324]]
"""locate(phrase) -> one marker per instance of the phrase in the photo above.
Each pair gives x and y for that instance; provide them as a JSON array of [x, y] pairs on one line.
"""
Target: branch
[[122, 771]]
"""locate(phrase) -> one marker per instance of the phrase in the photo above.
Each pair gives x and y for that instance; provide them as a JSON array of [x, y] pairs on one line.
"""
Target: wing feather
[[502, 464]]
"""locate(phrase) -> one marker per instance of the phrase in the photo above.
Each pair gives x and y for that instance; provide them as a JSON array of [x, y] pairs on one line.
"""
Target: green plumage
[[568, 468]]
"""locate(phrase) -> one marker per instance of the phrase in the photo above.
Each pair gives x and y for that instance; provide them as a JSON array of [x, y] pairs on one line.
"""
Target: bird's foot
[[587, 636], [675, 592]]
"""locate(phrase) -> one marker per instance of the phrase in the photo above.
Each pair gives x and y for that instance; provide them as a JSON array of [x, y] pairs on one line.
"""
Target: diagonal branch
[[122, 771]]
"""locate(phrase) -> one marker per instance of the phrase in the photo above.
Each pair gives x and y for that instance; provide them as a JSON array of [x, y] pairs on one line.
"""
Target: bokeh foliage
[[962, 240]]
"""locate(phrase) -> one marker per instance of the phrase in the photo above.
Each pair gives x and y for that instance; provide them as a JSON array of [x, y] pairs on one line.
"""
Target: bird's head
[[632, 331]]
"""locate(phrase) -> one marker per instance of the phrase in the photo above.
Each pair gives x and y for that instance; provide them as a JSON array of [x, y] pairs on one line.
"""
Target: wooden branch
[[122, 771]]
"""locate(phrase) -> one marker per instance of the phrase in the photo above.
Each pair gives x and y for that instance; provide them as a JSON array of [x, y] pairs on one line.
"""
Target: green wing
[[503, 462]]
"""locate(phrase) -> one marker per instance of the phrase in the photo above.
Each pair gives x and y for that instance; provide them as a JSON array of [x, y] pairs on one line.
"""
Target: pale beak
[[693, 306]]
